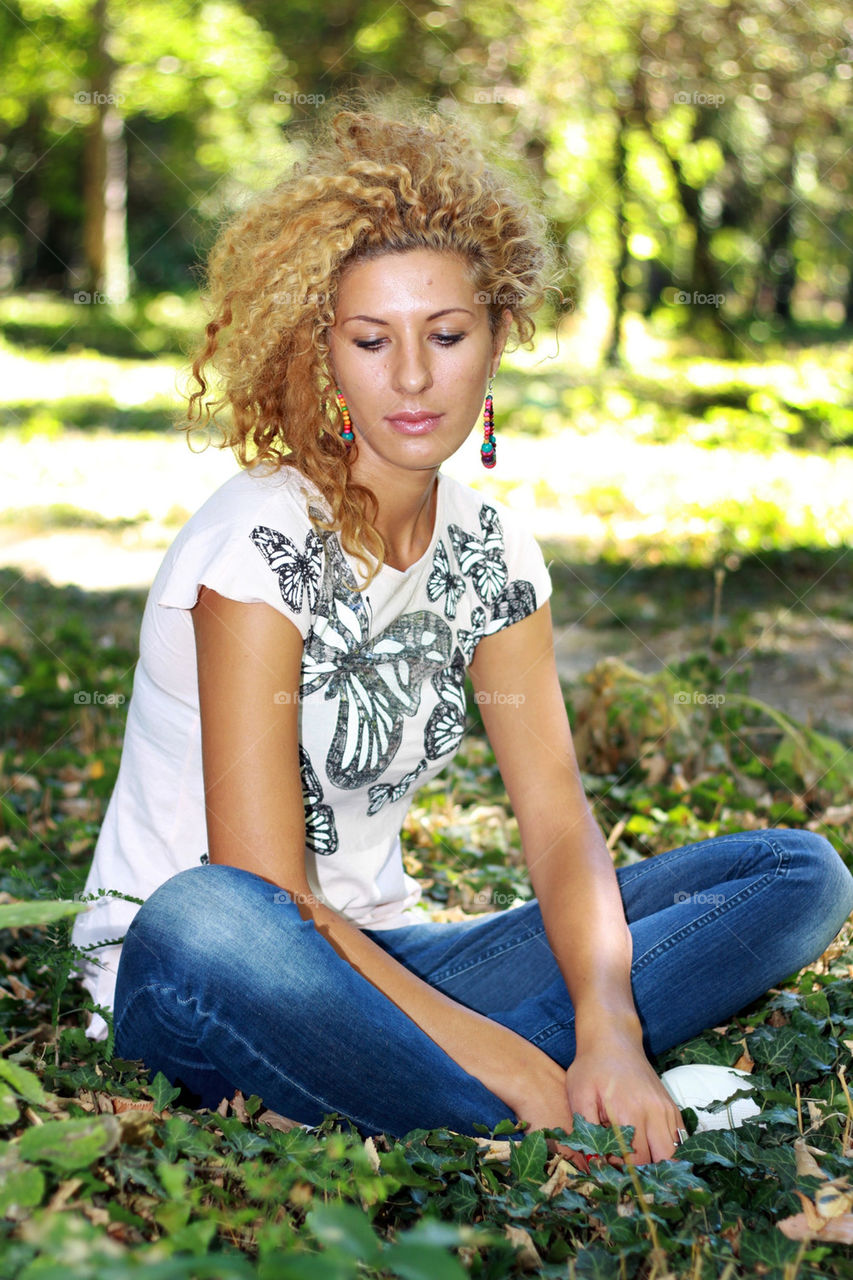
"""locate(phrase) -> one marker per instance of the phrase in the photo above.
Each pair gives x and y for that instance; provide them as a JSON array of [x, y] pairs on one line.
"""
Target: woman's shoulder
[[469, 508], [252, 540], [254, 497]]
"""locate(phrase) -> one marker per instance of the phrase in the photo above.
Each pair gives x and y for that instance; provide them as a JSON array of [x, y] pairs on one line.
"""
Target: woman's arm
[[515, 676], [248, 657]]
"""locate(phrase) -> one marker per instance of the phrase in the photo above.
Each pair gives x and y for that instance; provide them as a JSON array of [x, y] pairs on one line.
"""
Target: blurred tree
[[694, 157], [188, 95], [105, 181]]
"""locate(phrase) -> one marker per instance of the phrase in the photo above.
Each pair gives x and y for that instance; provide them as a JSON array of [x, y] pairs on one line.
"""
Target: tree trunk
[[630, 115], [623, 256], [105, 184]]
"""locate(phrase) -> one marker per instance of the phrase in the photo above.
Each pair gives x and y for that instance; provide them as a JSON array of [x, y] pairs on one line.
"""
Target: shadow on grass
[[51, 417], [605, 594]]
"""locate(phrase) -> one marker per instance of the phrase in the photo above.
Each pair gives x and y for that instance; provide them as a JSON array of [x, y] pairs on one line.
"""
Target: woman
[[303, 656]]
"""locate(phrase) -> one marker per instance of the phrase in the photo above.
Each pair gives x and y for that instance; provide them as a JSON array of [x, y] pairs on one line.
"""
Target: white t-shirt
[[381, 703]]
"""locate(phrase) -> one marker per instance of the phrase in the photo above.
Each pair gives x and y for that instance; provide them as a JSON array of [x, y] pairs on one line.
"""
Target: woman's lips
[[414, 424]]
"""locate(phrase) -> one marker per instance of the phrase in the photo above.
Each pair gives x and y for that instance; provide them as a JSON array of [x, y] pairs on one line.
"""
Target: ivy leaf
[[163, 1093], [8, 1106], [767, 1248], [527, 1159], [717, 1146], [671, 1182], [598, 1139], [787, 1049], [67, 1145], [597, 1264], [462, 1201], [25, 1083], [342, 1229], [421, 1253], [710, 1049], [394, 1162], [22, 915], [21, 1185]]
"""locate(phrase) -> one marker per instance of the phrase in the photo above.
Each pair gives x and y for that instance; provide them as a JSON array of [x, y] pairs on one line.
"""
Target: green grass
[[105, 1174]]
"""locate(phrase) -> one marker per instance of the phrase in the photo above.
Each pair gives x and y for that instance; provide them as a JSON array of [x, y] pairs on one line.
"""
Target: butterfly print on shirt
[[377, 679], [298, 571], [443, 581], [516, 602], [468, 640], [446, 724], [321, 834], [482, 559], [381, 792]]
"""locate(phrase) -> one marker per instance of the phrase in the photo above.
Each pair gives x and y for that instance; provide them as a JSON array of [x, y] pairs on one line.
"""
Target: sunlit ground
[[92, 505]]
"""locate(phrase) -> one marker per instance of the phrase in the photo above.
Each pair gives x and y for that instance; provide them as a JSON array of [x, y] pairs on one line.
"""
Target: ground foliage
[[103, 1173]]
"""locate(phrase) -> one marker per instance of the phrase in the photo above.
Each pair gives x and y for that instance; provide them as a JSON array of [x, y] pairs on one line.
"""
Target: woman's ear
[[501, 335]]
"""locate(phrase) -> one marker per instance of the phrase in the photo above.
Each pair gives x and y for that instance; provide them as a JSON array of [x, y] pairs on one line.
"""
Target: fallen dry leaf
[[813, 1218], [655, 767], [372, 1154], [18, 989], [136, 1126], [63, 1193], [745, 1062], [24, 782], [835, 1199], [807, 1166], [562, 1174], [527, 1255], [492, 1149], [815, 1114], [276, 1121], [129, 1104], [835, 815], [835, 1230]]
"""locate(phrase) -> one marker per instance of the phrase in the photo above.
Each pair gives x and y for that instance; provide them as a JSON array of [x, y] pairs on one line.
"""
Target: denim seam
[[717, 912], [453, 971], [736, 837]]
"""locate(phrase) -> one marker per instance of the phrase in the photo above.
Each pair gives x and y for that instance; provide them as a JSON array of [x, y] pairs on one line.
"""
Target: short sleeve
[[268, 554], [528, 583]]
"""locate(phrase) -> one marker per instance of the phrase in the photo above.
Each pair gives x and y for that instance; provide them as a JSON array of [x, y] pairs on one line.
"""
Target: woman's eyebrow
[[435, 316]]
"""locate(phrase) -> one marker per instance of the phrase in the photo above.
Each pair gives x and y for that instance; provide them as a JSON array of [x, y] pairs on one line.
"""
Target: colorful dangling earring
[[347, 433], [488, 451]]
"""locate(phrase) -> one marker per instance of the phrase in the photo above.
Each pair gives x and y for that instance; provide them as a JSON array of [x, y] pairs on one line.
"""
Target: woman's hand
[[540, 1099], [612, 1082]]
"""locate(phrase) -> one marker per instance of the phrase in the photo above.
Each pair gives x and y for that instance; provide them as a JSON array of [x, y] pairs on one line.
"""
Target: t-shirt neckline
[[436, 533]]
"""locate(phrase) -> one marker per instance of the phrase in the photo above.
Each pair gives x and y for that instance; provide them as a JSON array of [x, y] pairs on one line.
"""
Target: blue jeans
[[223, 985]]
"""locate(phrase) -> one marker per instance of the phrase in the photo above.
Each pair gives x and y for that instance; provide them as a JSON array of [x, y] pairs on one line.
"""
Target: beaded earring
[[347, 433], [488, 451]]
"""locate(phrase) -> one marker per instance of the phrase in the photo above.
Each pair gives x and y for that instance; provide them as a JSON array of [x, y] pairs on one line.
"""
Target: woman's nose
[[411, 370]]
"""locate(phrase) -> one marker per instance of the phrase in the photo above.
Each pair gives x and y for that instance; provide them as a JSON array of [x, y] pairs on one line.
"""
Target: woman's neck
[[406, 517]]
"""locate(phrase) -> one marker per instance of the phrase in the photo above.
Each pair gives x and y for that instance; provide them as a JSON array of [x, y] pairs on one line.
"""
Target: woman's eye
[[441, 339]]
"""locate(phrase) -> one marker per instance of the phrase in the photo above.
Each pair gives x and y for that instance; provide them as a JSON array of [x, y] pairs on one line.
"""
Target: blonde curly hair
[[372, 185]]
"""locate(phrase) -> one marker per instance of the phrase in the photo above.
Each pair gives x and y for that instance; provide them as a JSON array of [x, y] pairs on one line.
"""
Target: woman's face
[[412, 352]]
